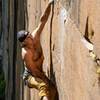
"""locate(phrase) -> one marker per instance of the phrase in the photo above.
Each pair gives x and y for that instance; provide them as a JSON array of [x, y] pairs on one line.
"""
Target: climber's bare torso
[[32, 53]]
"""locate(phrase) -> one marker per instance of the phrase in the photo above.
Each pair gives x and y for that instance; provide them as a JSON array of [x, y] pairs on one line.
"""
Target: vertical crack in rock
[[52, 74], [51, 63]]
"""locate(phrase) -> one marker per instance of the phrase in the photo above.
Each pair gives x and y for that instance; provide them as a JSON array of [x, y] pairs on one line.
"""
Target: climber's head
[[21, 35]]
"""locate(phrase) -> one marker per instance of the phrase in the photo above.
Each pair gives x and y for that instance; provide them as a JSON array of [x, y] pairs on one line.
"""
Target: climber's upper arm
[[38, 30]]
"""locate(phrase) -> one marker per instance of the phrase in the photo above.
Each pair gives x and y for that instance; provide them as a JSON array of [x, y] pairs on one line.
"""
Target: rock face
[[67, 62], [72, 70]]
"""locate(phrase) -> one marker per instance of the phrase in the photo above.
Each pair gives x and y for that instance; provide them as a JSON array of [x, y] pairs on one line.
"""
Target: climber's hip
[[34, 82]]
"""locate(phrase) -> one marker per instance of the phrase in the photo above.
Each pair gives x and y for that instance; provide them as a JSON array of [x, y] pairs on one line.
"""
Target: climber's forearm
[[43, 19], [46, 13]]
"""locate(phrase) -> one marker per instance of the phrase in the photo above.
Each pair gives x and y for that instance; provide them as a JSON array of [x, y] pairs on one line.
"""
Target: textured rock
[[72, 69]]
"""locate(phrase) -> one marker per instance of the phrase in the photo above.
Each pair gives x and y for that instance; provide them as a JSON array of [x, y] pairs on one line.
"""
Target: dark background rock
[[72, 69]]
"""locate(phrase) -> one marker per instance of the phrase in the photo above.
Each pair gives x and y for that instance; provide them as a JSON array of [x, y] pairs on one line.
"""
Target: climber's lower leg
[[46, 91]]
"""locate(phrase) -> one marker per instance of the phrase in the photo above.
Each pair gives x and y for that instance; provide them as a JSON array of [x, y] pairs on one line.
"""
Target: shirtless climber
[[33, 57]]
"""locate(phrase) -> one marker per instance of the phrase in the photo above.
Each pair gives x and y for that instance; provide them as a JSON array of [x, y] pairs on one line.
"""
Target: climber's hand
[[51, 1]]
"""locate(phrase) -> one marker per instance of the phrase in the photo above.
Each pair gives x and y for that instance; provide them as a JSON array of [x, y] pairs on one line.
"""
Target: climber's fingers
[[51, 1]]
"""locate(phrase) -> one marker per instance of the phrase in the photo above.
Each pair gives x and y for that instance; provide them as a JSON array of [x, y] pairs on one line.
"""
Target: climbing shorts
[[34, 82], [39, 85]]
